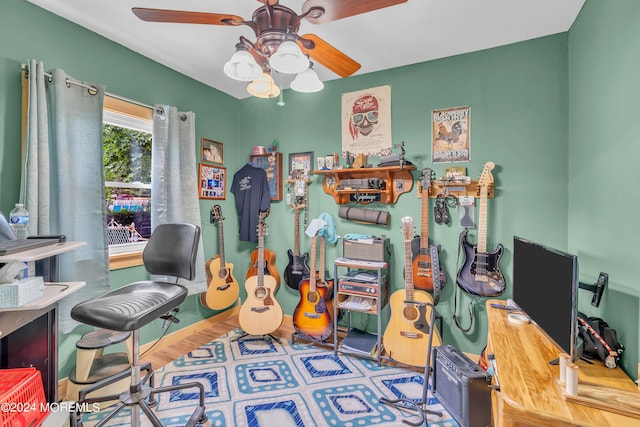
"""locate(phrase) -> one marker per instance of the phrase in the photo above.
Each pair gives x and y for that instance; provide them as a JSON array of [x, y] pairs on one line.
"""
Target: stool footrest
[[104, 367]]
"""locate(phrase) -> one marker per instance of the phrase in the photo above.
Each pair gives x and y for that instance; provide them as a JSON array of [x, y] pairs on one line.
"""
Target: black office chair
[[170, 251]]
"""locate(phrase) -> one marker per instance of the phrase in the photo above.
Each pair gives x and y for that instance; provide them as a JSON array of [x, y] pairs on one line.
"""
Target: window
[[127, 139]]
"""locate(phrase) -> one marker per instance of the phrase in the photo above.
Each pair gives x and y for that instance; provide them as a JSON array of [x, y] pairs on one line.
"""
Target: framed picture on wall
[[213, 182], [212, 151], [301, 161], [272, 164]]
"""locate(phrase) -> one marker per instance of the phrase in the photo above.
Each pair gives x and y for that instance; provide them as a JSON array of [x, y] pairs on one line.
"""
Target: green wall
[[604, 224], [518, 120], [521, 96]]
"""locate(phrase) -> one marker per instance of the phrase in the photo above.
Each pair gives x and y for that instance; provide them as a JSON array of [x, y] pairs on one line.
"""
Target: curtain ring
[[66, 82], [159, 110]]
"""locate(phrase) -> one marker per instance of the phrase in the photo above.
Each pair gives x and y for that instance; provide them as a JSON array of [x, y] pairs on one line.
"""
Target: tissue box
[[21, 292]]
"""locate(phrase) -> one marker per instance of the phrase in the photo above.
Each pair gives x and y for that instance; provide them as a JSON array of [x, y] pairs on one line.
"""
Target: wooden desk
[[529, 395]]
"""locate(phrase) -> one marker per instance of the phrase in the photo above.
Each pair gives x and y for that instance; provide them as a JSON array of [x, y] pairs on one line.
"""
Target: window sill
[[125, 256]]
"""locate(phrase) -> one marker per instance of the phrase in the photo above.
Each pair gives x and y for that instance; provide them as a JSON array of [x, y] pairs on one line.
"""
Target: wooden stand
[[618, 401], [396, 181]]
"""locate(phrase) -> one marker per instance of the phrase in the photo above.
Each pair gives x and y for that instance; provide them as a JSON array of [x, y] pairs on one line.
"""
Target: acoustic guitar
[[406, 338], [427, 274], [480, 274], [260, 314], [223, 289], [311, 317], [298, 267]]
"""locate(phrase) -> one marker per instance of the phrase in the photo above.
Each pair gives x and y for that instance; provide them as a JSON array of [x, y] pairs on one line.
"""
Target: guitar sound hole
[[261, 292], [222, 273], [312, 297], [410, 313]]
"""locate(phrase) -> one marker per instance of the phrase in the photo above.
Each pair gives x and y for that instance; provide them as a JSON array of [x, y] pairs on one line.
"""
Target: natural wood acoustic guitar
[[223, 288], [406, 338], [260, 314], [311, 317]]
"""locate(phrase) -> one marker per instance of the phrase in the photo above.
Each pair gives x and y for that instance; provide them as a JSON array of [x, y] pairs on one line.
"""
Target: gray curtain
[[63, 183], [174, 178]]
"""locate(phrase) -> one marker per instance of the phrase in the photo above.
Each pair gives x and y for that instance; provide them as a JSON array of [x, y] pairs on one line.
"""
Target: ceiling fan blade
[[180, 16], [338, 9], [327, 55]]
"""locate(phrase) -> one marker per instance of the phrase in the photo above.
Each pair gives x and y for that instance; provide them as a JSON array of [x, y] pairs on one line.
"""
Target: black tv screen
[[545, 286]]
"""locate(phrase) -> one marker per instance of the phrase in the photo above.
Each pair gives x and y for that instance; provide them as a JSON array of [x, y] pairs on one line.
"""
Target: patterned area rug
[[258, 382]]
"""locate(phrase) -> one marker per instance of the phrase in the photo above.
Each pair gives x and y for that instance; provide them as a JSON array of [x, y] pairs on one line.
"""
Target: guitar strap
[[455, 294]]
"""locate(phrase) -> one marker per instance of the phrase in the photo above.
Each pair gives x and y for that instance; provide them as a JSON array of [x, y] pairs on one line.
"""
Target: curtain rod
[[92, 89]]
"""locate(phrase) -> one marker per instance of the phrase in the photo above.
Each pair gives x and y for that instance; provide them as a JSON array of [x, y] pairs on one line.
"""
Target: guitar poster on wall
[[366, 122], [450, 130]]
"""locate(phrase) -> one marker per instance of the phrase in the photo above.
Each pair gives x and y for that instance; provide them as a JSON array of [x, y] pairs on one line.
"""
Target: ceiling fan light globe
[[243, 67], [289, 59], [264, 87], [307, 82]]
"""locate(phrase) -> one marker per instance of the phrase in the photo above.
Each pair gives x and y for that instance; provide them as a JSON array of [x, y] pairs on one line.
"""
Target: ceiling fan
[[278, 46]]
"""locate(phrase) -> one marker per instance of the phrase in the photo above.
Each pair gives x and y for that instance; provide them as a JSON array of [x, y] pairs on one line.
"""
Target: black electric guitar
[[298, 267], [480, 275]]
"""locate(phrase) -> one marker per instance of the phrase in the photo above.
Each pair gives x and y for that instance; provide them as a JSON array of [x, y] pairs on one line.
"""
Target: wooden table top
[[528, 385]]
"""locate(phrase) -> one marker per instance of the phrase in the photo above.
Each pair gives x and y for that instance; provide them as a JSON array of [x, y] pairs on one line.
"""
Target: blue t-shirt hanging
[[251, 188]]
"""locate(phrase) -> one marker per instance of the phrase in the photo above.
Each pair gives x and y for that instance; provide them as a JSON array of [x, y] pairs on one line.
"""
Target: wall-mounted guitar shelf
[[455, 189], [397, 181]]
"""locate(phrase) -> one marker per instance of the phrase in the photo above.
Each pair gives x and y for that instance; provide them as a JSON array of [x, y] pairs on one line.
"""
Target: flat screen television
[[545, 286]]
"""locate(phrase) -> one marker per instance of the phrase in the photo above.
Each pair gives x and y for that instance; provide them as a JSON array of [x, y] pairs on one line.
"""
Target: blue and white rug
[[257, 382]]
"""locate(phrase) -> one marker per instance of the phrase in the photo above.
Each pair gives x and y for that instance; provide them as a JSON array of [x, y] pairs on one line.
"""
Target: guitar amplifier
[[377, 251], [462, 387]]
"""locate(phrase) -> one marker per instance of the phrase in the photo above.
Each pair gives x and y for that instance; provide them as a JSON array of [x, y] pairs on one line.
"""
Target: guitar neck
[[260, 262], [221, 243], [296, 244], [408, 272], [482, 221], [312, 275], [424, 228], [322, 260]]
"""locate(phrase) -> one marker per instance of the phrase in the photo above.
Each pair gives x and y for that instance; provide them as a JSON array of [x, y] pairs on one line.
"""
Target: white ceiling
[[409, 33]]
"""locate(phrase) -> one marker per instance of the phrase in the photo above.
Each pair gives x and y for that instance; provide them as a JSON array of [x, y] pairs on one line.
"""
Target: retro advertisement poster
[[366, 122], [450, 130]]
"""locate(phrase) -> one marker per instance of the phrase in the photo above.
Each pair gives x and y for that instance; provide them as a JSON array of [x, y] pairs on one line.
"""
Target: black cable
[[158, 340]]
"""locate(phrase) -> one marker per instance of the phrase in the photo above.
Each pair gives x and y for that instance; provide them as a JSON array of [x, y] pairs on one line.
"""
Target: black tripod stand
[[419, 407]]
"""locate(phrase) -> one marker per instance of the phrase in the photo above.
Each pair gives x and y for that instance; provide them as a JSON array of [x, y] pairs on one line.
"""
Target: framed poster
[[301, 161], [450, 130], [366, 122], [212, 151], [213, 182], [272, 164]]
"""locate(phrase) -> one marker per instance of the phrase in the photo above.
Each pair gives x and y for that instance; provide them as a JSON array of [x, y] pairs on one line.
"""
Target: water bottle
[[19, 221]]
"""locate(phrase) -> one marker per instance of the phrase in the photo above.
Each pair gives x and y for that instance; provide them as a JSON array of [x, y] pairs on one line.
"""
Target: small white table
[[29, 334]]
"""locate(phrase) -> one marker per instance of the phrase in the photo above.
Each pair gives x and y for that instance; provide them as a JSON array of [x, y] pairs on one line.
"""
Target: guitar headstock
[[485, 177], [425, 180], [216, 214], [262, 228], [263, 214], [407, 227]]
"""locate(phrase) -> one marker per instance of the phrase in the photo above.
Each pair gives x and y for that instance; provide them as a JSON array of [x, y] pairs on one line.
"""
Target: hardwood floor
[[171, 352]]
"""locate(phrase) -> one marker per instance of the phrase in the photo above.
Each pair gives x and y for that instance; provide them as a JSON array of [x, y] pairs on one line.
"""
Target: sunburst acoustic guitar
[[311, 317], [427, 273], [406, 338], [223, 288], [260, 314]]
